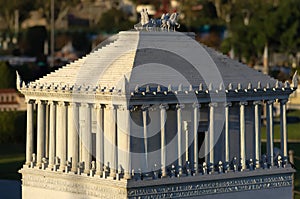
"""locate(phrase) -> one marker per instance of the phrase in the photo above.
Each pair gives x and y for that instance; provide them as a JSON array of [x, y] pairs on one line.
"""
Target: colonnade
[[70, 150]]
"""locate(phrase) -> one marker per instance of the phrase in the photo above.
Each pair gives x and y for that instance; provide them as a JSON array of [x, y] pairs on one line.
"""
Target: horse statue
[[173, 21], [166, 22]]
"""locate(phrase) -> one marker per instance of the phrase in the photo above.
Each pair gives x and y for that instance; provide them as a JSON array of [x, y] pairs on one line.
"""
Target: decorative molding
[[198, 189]]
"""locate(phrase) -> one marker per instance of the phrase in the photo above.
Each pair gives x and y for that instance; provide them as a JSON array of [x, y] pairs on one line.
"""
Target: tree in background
[[7, 76], [114, 20]]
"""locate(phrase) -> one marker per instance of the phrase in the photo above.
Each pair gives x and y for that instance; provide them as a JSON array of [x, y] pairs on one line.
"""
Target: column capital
[[270, 102], [213, 104], [73, 104], [61, 103], [257, 102], [145, 107], [243, 103], [111, 106], [98, 106], [30, 101], [180, 106], [38, 101], [227, 104], [283, 101], [121, 107], [196, 105], [164, 106], [51, 102], [86, 105]]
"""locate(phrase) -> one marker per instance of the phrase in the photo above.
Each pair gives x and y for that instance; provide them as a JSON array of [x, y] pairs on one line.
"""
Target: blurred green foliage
[[12, 126], [7, 76]]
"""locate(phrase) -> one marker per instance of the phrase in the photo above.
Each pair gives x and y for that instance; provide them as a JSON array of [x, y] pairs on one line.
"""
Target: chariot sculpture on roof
[[166, 22]]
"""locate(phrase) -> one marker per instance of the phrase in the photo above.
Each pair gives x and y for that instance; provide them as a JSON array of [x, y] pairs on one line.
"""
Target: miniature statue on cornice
[[166, 22]]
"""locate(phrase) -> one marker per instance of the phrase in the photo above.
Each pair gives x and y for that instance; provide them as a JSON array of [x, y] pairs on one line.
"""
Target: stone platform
[[247, 184]]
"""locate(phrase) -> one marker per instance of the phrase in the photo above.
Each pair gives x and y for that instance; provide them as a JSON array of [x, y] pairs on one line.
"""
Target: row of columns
[[65, 145], [64, 140]]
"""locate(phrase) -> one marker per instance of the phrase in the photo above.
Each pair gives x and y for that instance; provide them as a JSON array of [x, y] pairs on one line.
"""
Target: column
[[179, 136], [211, 132], [196, 107], [227, 146], [52, 132], [61, 135], [29, 132], [73, 133], [47, 131], [40, 132], [163, 120], [283, 128], [270, 133], [87, 138], [127, 167], [242, 136], [186, 130], [99, 139], [257, 127], [145, 131], [113, 134]]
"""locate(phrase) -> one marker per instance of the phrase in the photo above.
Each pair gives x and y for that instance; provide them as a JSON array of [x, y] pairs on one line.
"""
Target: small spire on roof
[[230, 87], [287, 84], [158, 88], [239, 87], [147, 89], [277, 84], [210, 86], [180, 87], [258, 85], [249, 86], [170, 88], [136, 88], [200, 87], [221, 87], [295, 80]]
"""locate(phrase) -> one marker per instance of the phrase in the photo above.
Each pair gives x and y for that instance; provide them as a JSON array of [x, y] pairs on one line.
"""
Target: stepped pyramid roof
[[139, 61]]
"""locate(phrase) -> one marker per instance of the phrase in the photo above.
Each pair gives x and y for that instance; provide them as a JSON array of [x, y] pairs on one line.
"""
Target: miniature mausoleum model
[[154, 114]]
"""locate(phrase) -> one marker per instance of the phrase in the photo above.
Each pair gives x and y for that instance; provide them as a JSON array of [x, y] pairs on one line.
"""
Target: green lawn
[[296, 148], [292, 128]]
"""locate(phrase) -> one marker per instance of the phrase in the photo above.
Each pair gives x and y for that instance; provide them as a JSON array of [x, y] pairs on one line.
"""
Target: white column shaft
[[99, 140], [163, 114], [179, 134], [186, 130], [73, 134], [145, 129], [52, 132], [87, 139], [242, 136], [195, 131], [128, 155], [270, 133], [40, 133], [211, 132], [113, 132], [283, 128], [257, 118], [29, 133], [227, 147], [62, 135]]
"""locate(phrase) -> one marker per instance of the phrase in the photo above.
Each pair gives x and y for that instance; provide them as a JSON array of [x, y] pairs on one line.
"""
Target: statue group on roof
[[166, 22]]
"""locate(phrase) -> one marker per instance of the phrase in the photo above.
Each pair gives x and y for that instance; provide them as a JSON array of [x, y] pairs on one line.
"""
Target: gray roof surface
[[165, 58]]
